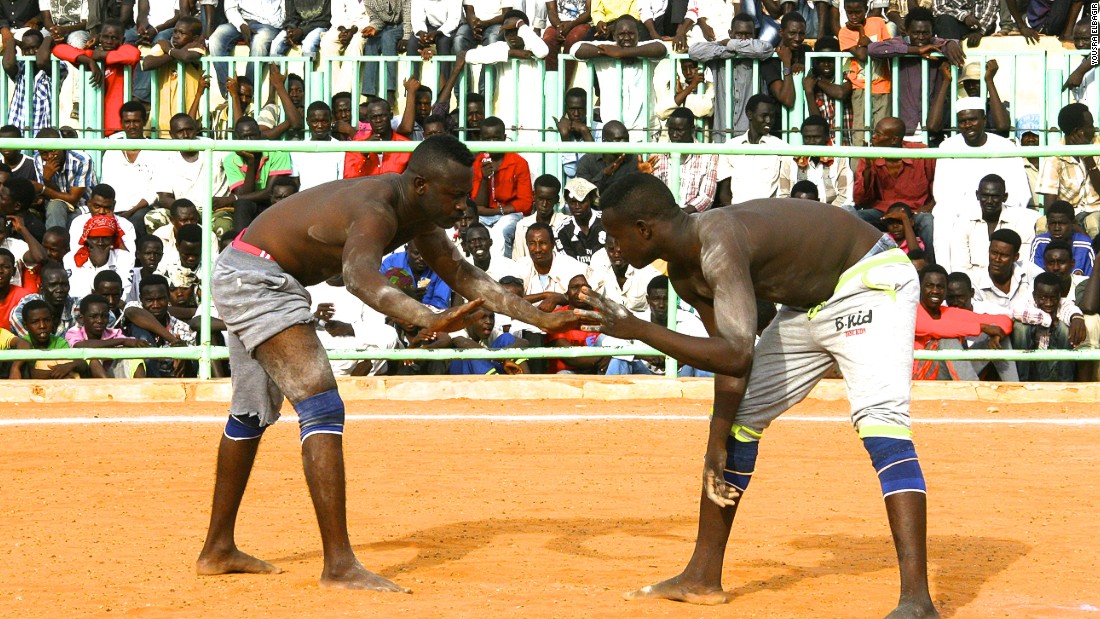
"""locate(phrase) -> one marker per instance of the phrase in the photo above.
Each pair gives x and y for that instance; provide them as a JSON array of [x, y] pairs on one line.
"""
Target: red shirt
[[511, 183], [114, 93], [574, 337], [913, 185], [8, 303], [373, 164], [954, 322]]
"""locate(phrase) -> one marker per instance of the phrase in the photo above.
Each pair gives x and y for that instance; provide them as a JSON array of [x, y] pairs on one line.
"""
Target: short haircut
[[284, 181], [1061, 207], [477, 225], [88, 300], [181, 117], [5, 168], [318, 106], [640, 195], [6, 253], [133, 106], [193, 22], [572, 93], [475, 97], [294, 77], [112, 23], [22, 191], [863, 2], [108, 277], [34, 33], [817, 121], [958, 277], [1072, 117], [179, 205], [919, 14], [789, 18], [1056, 245], [48, 132], [103, 190], [744, 18], [683, 112], [657, 283], [1010, 237], [492, 121], [191, 233], [538, 225], [423, 90], [434, 119], [435, 152], [550, 181], [806, 186], [57, 231], [340, 95], [827, 44], [518, 14], [244, 80], [1046, 278], [35, 305], [932, 268], [511, 280], [992, 178], [760, 99], [10, 130], [901, 206], [151, 281], [626, 19], [242, 121]]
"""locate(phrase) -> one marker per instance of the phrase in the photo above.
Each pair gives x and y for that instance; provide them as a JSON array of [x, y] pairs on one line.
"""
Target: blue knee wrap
[[243, 428], [895, 461], [740, 462], [321, 414]]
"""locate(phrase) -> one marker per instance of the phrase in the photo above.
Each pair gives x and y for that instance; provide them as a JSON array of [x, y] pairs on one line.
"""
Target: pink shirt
[[77, 334]]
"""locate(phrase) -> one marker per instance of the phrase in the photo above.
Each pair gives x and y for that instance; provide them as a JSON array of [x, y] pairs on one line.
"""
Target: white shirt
[[751, 176], [499, 267], [161, 11], [625, 95], [632, 294], [132, 182], [511, 96], [557, 279], [76, 229], [828, 179], [268, 12], [488, 9], [314, 169], [443, 15], [19, 249], [371, 330], [187, 179], [349, 14], [519, 248], [994, 301], [970, 247], [81, 279]]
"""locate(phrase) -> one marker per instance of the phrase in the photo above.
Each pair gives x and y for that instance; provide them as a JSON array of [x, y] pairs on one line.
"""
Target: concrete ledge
[[561, 387]]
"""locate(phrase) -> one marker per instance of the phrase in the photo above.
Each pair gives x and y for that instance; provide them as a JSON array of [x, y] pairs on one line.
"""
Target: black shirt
[[575, 244], [16, 13]]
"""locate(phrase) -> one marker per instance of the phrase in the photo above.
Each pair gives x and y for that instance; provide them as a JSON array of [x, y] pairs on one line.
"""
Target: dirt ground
[[548, 518]]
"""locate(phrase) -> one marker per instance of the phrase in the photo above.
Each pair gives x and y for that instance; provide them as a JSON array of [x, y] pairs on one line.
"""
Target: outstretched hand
[[718, 490], [456, 318], [609, 317]]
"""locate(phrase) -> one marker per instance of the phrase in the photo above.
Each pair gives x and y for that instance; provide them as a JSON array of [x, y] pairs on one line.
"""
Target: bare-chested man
[[848, 296], [259, 283]]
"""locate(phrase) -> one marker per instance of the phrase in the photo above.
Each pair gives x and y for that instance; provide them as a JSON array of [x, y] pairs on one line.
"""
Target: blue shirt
[[436, 292], [1083, 256], [483, 366]]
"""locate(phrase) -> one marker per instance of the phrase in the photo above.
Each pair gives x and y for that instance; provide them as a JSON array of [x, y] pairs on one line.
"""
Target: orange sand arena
[[487, 517]]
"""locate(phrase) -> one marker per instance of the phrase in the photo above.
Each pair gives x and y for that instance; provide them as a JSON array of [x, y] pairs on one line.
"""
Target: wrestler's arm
[[366, 242], [444, 258]]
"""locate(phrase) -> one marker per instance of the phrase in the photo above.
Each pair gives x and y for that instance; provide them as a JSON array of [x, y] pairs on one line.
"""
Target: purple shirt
[[909, 78]]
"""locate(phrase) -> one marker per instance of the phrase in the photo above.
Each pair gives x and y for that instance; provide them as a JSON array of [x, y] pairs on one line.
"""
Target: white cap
[[970, 103]]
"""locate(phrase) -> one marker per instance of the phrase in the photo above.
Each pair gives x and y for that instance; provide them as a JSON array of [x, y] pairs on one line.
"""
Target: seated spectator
[[626, 88], [56, 243], [857, 34], [411, 336], [381, 130], [418, 106], [573, 126], [313, 169], [692, 88], [749, 177], [457, 234], [16, 200], [256, 23], [942, 327], [731, 92], [544, 271], [20, 165], [570, 23], [481, 23], [236, 106], [602, 170], [93, 332], [186, 45], [1031, 166], [575, 337], [479, 334], [910, 50], [969, 83], [305, 23], [832, 176], [150, 251], [116, 57], [283, 118], [182, 213], [1060, 228], [433, 24], [28, 256], [970, 248], [1074, 179], [8, 341], [805, 190], [899, 225], [822, 92], [101, 203], [954, 181], [1057, 325], [960, 293], [613, 277], [187, 251], [343, 321], [547, 196], [10, 295], [41, 327], [184, 176], [154, 299], [1058, 259], [502, 186], [61, 178], [100, 249], [1003, 284], [973, 19], [1080, 82], [698, 176], [427, 287], [344, 127], [40, 114], [132, 172], [581, 234], [345, 38], [249, 174], [434, 125], [381, 38], [475, 111], [480, 244]]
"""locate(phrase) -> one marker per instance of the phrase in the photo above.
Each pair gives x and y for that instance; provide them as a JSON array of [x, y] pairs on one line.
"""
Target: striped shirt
[[42, 99], [78, 171]]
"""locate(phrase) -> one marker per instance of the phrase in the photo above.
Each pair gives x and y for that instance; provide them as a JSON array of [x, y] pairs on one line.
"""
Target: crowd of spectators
[[105, 251]]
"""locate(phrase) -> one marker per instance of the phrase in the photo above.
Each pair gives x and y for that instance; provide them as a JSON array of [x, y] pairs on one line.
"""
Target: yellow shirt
[[168, 92]]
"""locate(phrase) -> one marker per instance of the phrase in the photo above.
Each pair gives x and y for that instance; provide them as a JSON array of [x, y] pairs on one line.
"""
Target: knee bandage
[[243, 428], [742, 447], [320, 414], [895, 461]]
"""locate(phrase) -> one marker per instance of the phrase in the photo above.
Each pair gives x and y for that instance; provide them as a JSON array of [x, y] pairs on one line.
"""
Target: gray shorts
[[257, 300], [866, 327]]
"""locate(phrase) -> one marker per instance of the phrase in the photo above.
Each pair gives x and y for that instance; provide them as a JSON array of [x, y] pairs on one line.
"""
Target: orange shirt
[[373, 164], [114, 94], [8, 303], [511, 184], [876, 30]]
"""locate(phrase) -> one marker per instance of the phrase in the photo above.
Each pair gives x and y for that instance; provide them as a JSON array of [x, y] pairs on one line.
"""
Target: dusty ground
[[488, 518]]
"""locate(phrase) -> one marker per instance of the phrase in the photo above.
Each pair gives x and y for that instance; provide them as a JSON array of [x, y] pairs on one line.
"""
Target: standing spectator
[[1057, 325], [381, 130], [822, 92], [954, 176], [581, 234], [282, 118], [133, 172], [573, 126], [857, 34], [969, 83], [345, 38], [101, 203], [831, 175], [749, 177], [1081, 82], [314, 169], [698, 173], [388, 26], [1003, 285], [547, 195], [66, 21], [100, 249], [613, 277], [502, 186], [62, 177], [569, 24], [20, 166], [1060, 228], [731, 92], [16, 14], [1070, 178], [306, 22], [972, 233], [40, 113], [249, 174], [428, 287], [481, 23], [115, 57], [626, 83], [187, 46], [256, 23]]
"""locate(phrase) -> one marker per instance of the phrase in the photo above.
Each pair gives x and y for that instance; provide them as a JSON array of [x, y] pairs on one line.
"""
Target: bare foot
[[914, 610], [233, 562], [678, 590], [359, 577]]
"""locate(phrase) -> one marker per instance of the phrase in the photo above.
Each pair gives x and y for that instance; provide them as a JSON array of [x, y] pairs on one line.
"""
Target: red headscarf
[[98, 225]]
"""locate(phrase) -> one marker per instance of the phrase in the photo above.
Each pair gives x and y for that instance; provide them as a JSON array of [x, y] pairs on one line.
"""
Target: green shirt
[[271, 164]]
